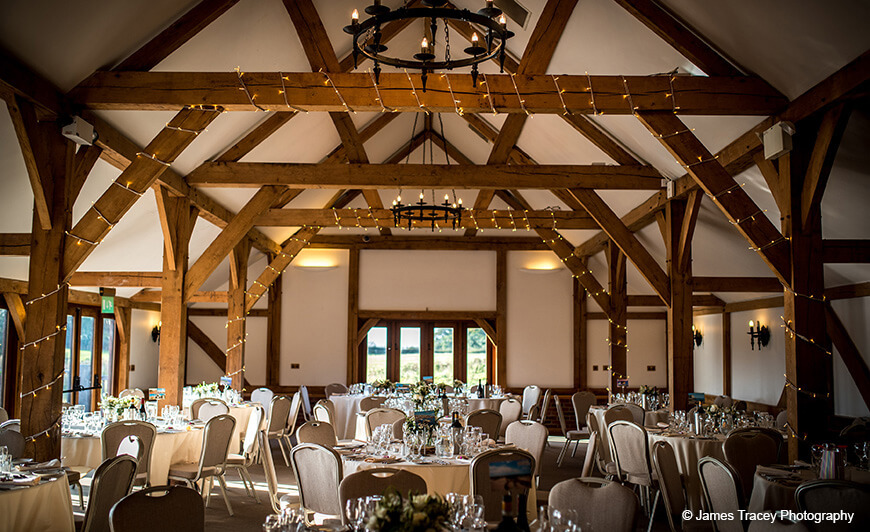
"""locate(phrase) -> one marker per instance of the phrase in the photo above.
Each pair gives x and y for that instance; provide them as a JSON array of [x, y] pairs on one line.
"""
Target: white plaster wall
[[201, 368], [314, 320], [647, 346], [143, 351], [757, 375], [539, 322], [854, 314], [427, 280], [708, 355], [597, 354]]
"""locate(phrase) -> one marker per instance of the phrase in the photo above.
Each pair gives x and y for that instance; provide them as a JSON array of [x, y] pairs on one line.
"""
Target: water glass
[[5, 460]]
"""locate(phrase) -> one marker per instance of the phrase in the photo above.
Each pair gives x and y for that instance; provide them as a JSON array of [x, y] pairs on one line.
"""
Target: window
[[89, 357], [407, 351], [4, 326], [107, 356]]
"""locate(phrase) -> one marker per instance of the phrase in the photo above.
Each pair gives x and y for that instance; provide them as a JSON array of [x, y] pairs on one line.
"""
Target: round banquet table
[[690, 449], [773, 489], [170, 448], [346, 410], [490, 403], [46, 507]]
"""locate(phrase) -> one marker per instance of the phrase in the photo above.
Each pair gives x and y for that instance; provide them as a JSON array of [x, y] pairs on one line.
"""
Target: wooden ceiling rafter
[[536, 57], [321, 56], [830, 132]]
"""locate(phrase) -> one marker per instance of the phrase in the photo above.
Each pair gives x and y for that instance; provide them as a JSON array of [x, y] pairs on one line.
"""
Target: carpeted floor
[[250, 515]]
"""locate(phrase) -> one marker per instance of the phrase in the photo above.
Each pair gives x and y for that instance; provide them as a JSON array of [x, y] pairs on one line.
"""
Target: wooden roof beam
[[736, 284], [846, 251], [376, 176], [428, 243], [822, 159], [15, 244], [117, 279]]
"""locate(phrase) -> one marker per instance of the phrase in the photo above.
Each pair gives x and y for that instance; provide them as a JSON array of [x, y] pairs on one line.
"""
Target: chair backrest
[[481, 477], [781, 419], [381, 416], [617, 413], [335, 387], [721, 492], [279, 409], [602, 451], [293, 415], [589, 496], [4, 415], [196, 405], [13, 441], [112, 481], [591, 453], [324, 410], [319, 432], [670, 482], [164, 508], [114, 435], [367, 403], [12, 424], [825, 496], [399, 429], [376, 482], [263, 396], [269, 470], [212, 408], [530, 436], [531, 396], [637, 413], [511, 410], [723, 400], [560, 415], [582, 401], [545, 405], [306, 402], [488, 420], [249, 443], [745, 449], [630, 446], [318, 473], [136, 392], [216, 442]]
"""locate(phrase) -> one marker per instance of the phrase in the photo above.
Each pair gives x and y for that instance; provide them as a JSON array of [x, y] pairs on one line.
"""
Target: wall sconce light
[[155, 332], [697, 336], [762, 335]]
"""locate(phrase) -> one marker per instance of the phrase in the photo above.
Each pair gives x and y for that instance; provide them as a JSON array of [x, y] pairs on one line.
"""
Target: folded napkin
[[18, 479], [55, 463], [384, 460], [773, 473]]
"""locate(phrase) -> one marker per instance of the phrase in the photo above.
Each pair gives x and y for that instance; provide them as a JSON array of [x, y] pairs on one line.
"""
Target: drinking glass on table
[[476, 513], [5, 460]]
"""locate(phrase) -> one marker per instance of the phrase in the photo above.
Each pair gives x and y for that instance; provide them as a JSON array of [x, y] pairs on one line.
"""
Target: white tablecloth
[[688, 451], [346, 409], [772, 495], [45, 507], [169, 448], [241, 413]]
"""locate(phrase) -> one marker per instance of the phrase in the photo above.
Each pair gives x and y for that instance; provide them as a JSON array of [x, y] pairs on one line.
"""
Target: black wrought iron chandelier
[[367, 37], [421, 211]]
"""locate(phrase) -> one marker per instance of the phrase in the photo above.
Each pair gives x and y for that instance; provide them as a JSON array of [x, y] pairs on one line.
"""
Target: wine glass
[[817, 451]]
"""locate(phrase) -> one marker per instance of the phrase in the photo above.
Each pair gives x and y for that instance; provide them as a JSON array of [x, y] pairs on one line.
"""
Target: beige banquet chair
[[135, 392], [276, 500], [212, 408], [334, 388], [249, 451], [162, 508], [630, 446], [600, 504], [831, 496], [672, 488], [279, 410], [4, 416], [196, 405], [13, 441], [570, 435], [530, 436], [722, 493], [11, 424], [545, 406], [367, 403], [306, 403], [582, 402], [116, 438], [324, 410], [263, 396], [745, 449], [531, 397], [511, 410], [212, 463], [381, 416], [481, 477], [319, 432], [318, 472], [112, 481], [488, 420], [377, 481], [603, 458]]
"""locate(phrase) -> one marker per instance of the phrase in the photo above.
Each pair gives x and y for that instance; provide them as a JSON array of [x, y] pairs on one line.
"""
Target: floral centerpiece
[[384, 386], [722, 417], [207, 389], [417, 513], [458, 387], [114, 407], [425, 396]]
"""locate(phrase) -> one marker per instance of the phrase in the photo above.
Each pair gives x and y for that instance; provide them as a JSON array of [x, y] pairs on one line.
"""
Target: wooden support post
[[123, 317], [680, 362], [173, 309], [809, 369], [618, 315], [353, 364], [236, 317], [42, 359], [273, 332], [580, 348], [726, 353], [500, 371]]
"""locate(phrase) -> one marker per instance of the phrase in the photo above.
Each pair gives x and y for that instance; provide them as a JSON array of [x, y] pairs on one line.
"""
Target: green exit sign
[[108, 304]]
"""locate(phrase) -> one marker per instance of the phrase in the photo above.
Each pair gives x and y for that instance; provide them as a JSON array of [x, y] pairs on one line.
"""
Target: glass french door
[[409, 351], [89, 356]]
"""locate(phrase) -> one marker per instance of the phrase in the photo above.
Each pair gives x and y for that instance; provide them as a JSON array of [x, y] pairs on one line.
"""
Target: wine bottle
[[479, 389], [507, 523], [142, 415], [456, 434], [522, 517]]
